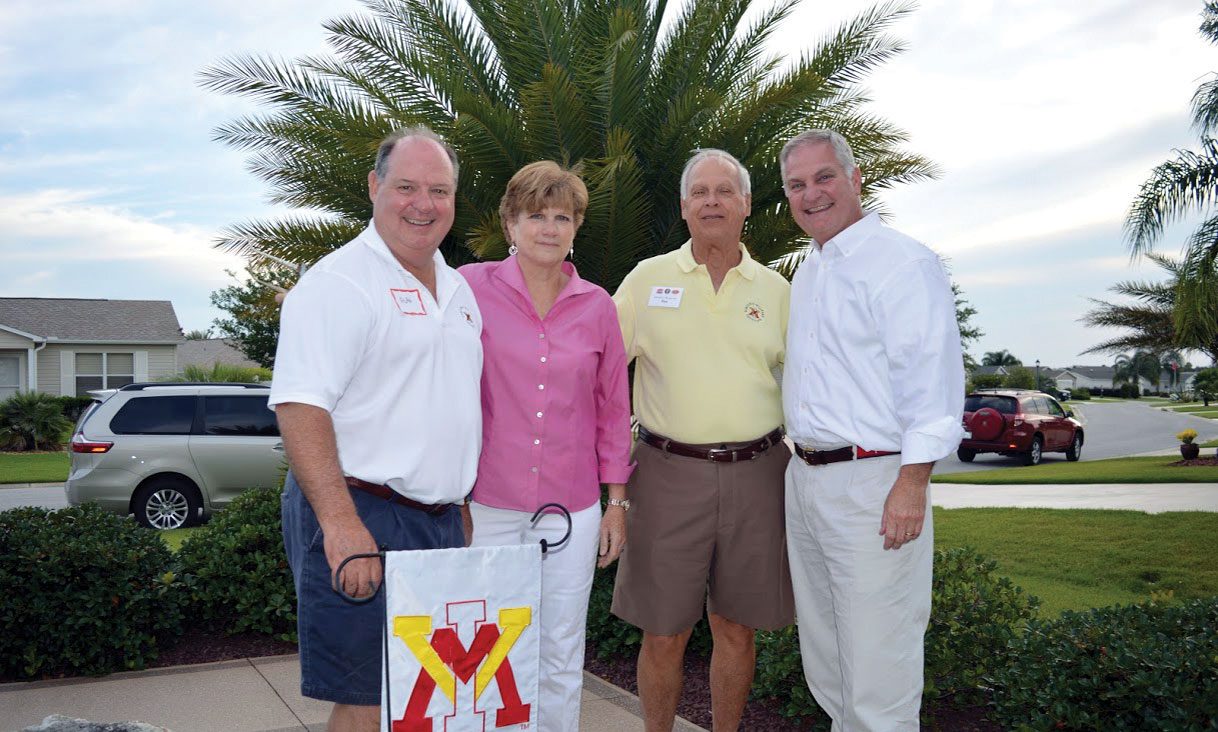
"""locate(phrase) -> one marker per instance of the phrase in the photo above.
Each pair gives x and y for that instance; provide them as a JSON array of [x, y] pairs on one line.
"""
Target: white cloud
[[68, 226]]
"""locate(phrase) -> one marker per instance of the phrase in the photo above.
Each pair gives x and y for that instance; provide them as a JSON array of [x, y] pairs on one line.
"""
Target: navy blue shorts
[[340, 642]]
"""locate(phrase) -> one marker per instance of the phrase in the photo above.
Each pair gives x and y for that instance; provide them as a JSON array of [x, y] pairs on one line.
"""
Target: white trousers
[[566, 583], [862, 611]]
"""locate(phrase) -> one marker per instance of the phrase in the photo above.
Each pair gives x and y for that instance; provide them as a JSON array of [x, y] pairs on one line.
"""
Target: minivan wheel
[[966, 455], [1034, 453], [166, 503], [1075, 451]]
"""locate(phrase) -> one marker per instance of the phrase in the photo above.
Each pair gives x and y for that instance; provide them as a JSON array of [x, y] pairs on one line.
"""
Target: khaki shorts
[[694, 525]]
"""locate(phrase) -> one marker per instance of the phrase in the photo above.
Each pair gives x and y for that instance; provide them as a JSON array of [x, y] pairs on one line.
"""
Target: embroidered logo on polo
[[754, 312], [469, 317], [409, 302]]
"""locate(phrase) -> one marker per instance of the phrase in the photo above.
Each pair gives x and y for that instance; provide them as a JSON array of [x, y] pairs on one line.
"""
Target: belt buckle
[[711, 453]]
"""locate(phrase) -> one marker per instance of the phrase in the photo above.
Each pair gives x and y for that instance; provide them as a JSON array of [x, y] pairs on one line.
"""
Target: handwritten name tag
[[409, 302]]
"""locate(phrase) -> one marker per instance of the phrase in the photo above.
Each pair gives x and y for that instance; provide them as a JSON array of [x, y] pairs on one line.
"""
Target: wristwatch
[[623, 502]]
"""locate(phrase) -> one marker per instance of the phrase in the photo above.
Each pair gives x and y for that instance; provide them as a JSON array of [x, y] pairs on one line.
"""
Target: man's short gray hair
[[417, 131], [841, 149], [709, 153]]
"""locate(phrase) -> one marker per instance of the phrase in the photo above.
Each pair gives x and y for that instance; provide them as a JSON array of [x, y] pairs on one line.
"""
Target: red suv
[[1014, 422]]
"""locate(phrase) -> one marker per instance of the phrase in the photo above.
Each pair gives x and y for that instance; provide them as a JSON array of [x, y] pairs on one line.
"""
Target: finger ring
[[909, 533]]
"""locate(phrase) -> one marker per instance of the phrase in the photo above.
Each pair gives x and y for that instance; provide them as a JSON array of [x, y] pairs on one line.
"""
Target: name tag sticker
[[409, 302], [666, 297]]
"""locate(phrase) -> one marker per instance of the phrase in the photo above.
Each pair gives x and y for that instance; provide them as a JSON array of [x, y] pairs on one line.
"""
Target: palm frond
[[1174, 188]]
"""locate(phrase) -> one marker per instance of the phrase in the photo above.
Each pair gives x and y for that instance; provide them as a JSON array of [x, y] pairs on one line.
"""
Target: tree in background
[[1205, 383], [1127, 369], [253, 314], [1000, 358], [599, 83], [1188, 184], [1020, 377], [968, 331], [197, 335]]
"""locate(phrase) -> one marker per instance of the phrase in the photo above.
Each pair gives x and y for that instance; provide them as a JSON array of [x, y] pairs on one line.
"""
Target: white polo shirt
[[399, 372]]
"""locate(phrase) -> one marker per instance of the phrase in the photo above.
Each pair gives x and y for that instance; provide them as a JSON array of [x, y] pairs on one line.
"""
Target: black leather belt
[[841, 454], [389, 494], [724, 454]]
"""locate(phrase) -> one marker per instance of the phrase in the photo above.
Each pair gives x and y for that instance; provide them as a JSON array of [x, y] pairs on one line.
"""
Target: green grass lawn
[[173, 538], [33, 467], [1115, 470], [1191, 408], [1078, 559]]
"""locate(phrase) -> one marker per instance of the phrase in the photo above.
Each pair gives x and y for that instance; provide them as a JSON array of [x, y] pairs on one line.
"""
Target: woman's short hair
[[540, 185]]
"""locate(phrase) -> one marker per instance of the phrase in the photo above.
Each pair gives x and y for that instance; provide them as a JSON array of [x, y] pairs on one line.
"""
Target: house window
[[10, 376], [104, 371]]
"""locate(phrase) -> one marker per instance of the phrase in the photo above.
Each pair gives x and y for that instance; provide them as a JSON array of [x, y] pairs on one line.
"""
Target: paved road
[[1113, 429], [46, 495]]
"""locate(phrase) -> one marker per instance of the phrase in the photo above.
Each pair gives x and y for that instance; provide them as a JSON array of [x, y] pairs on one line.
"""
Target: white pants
[[566, 583], [862, 611]]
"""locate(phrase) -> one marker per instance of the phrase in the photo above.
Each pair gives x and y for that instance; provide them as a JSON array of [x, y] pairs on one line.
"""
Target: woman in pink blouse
[[555, 417]]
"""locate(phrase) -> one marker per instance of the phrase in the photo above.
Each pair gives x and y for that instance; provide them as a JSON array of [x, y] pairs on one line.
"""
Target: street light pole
[[1038, 374]]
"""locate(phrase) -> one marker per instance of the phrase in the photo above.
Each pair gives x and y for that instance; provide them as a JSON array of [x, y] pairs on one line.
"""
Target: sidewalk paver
[[249, 695]]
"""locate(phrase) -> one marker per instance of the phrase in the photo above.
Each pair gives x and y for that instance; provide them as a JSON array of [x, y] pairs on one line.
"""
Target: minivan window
[[158, 415], [1003, 404], [238, 415]]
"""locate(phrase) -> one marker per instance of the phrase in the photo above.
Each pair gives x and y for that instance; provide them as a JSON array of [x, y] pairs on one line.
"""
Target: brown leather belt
[[747, 451], [389, 494], [841, 454]]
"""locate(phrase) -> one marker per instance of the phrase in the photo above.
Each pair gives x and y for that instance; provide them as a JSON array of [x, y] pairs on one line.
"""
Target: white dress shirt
[[873, 347], [399, 371]]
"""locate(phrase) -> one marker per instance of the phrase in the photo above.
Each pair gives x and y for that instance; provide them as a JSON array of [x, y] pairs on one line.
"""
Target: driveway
[[44, 495], [1113, 429]]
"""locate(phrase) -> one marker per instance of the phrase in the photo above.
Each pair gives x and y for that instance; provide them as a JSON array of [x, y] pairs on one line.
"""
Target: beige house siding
[[12, 340], [162, 361]]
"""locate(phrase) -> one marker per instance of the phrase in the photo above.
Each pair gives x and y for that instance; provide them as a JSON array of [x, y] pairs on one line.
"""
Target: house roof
[[209, 351], [991, 370], [1093, 372], [91, 321]]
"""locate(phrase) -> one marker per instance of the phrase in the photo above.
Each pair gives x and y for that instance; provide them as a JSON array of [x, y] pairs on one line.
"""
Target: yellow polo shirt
[[705, 359]]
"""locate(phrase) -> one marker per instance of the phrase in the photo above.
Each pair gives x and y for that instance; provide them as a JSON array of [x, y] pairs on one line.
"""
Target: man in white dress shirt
[[873, 390]]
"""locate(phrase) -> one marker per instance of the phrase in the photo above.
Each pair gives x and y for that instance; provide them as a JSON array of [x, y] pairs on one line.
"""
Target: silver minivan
[[172, 453]]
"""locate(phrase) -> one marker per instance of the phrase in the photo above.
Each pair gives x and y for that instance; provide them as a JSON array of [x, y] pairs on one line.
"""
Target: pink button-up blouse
[[555, 402]]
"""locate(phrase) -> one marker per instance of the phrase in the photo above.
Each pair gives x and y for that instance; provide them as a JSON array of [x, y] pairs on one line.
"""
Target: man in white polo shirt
[[376, 390], [873, 390]]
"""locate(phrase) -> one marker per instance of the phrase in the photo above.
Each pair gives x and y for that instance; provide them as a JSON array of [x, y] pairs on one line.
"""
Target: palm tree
[[1155, 322], [599, 83], [1127, 369], [1188, 184], [1000, 358]]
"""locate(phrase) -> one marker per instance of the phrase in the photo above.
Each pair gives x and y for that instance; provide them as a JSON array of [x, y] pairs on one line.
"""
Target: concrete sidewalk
[[1148, 497], [250, 695]]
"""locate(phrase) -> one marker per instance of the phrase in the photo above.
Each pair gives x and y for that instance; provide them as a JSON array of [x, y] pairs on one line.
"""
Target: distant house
[[68, 346], [1099, 377], [210, 351]]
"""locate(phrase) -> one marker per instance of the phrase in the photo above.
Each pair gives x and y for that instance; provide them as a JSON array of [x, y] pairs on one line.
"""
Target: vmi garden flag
[[462, 643]]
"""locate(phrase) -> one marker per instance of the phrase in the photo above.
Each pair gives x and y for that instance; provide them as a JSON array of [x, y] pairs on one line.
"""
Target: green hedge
[[1135, 667], [974, 617], [236, 572], [82, 592]]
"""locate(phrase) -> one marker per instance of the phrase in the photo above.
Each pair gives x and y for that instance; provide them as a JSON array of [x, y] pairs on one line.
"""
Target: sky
[[1044, 117]]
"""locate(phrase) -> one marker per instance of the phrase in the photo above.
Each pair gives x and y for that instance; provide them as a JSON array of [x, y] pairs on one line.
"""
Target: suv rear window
[[1003, 404], [159, 415], [238, 415]]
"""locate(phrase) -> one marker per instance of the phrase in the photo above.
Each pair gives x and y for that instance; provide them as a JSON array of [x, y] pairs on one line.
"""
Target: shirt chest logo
[[409, 302], [754, 312], [467, 316], [665, 297]]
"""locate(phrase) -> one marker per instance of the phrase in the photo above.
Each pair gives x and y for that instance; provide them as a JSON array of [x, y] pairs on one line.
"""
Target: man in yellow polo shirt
[[706, 326]]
